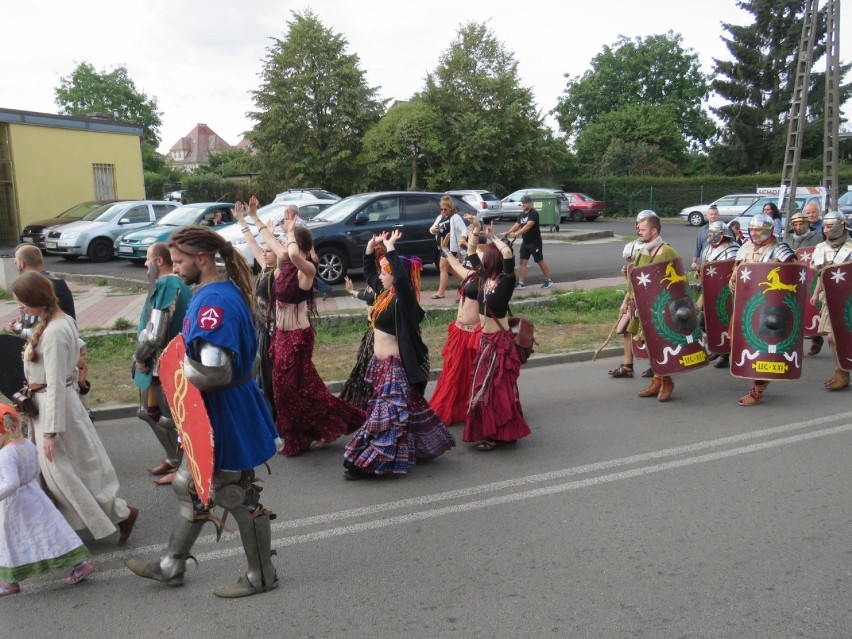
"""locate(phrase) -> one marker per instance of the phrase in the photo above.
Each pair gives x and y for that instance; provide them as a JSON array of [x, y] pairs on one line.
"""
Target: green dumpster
[[547, 206]]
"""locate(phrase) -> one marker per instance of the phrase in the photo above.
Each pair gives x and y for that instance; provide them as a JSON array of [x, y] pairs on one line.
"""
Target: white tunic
[[33, 531], [81, 476]]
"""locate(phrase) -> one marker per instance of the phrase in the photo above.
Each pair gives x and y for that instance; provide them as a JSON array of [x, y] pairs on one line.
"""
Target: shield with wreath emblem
[[718, 304], [811, 327], [668, 318], [768, 321], [837, 284]]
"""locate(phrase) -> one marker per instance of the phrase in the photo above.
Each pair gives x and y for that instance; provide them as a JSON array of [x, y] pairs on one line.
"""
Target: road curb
[[536, 361]]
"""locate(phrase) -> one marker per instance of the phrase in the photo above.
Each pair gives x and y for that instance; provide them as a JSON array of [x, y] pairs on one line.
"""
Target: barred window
[[104, 176]]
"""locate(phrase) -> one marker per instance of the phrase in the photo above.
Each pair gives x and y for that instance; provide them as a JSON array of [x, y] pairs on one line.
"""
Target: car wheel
[[100, 250], [577, 216], [331, 266], [695, 219]]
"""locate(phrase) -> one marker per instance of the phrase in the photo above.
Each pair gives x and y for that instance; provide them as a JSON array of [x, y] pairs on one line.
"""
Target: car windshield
[[583, 196], [490, 197], [845, 199], [342, 210], [105, 213], [182, 215], [81, 210], [757, 207]]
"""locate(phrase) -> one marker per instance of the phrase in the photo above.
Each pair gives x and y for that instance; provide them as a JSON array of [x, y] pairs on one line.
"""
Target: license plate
[[125, 249], [28, 240], [50, 245]]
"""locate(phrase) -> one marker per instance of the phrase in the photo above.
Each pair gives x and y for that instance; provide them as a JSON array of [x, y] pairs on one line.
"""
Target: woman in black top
[[400, 427], [357, 390], [495, 415]]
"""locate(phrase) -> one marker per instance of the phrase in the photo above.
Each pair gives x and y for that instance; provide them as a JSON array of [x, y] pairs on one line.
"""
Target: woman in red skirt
[[452, 393], [306, 412], [495, 416]]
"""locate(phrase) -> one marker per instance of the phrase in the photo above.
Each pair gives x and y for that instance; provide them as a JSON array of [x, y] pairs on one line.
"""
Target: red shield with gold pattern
[[837, 284], [811, 312], [718, 304], [768, 321], [190, 417], [668, 318]]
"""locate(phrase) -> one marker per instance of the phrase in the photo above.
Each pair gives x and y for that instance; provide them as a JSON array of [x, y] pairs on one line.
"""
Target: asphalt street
[[618, 517]]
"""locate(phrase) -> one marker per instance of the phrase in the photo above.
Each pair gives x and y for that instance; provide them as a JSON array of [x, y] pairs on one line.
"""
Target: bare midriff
[[291, 317], [384, 345], [493, 325], [468, 314]]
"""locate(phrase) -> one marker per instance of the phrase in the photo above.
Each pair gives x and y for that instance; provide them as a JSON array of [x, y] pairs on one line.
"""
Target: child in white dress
[[35, 537]]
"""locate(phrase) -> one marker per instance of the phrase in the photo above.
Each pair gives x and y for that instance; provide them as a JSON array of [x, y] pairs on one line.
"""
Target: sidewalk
[[100, 307]]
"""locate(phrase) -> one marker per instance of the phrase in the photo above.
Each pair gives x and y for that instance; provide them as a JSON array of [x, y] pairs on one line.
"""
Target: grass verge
[[565, 322]]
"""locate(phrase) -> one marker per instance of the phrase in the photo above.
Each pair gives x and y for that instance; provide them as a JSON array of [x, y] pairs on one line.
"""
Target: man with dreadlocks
[[400, 427], [305, 411], [220, 350]]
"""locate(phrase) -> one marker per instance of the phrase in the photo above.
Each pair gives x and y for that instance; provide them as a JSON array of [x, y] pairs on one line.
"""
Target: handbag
[[523, 336], [23, 401]]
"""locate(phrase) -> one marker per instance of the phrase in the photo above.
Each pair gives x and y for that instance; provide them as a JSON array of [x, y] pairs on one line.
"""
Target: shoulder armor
[[213, 371], [153, 336]]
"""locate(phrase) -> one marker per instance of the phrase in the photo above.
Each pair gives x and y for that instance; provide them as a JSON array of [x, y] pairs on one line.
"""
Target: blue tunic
[[243, 431]]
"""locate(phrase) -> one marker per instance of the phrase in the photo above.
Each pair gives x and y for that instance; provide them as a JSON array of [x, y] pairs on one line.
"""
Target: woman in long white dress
[[36, 539], [75, 466]]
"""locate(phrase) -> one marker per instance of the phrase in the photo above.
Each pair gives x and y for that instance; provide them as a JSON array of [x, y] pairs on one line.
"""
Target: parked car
[[133, 245], [305, 194], [730, 206], [342, 231], [844, 203], [270, 215], [584, 208], [94, 235], [33, 233], [511, 204], [488, 205], [757, 207], [175, 196]]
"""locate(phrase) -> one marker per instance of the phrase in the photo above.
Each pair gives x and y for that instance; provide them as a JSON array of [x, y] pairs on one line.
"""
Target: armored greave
[[255, 534], [164, 428], [186, 529]]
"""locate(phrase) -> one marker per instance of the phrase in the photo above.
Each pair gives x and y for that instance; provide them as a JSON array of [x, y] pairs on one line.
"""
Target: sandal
[[648, 374], [754, 396], [9, 589], [79, 573], [625, 370], [435, 296], [491, 444]]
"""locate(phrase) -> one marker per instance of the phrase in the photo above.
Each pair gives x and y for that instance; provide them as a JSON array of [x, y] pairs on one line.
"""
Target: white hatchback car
[[488, 206], [93, 235], [730, 206]]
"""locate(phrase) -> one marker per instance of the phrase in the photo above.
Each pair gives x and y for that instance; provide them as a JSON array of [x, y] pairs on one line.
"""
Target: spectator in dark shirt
[[529, 228]]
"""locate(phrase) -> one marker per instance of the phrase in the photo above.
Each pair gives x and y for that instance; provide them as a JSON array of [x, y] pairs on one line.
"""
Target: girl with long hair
[[495, 416], [400, 427], [76, 468], [306, 412], [452, 392]]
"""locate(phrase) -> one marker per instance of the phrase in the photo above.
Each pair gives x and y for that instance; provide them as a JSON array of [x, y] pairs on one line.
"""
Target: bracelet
[[262, 227], [244, 229], [50, 435]]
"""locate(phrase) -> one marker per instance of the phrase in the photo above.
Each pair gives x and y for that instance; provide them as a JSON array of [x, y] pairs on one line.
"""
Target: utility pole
[[798, 119], [831, 155]]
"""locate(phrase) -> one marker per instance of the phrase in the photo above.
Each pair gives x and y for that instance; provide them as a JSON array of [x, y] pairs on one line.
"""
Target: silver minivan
[[94, 234]]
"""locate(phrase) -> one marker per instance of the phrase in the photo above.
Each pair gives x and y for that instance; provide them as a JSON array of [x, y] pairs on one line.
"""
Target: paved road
[[619, 517], [569, 261]]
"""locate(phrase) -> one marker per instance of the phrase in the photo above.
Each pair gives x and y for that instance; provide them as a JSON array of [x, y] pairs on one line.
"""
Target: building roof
[[198, 143], [90, 123]]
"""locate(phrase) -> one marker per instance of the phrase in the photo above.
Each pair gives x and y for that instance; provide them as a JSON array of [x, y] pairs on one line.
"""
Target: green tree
[[400, 145], [638, 127], [655, 71], [232, 162], [758, 85], [313, 109], [490, 132], [86, 91]]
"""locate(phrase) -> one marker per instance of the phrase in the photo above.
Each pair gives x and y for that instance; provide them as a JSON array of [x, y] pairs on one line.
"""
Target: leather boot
[[840, 380], [666, 388], [654, 389]]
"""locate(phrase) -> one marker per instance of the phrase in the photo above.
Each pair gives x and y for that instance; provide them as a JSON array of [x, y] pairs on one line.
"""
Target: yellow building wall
[[52, 168]]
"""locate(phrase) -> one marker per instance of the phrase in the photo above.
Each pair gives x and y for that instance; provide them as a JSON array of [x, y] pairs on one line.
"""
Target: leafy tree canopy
[[654, 71], [86, 91], [313, 109]]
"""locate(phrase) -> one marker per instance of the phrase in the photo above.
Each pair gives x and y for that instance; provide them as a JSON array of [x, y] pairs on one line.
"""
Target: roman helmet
[[834, 225], [643, 214], [761, 222], [716, 232]]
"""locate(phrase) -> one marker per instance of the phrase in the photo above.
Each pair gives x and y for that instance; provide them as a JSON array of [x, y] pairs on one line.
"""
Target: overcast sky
[[201, 59]]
